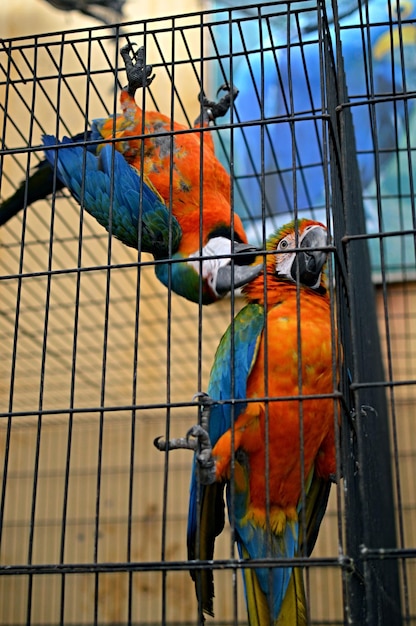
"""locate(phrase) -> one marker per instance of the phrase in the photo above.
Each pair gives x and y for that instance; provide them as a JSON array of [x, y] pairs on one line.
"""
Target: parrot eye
[[283, 245]]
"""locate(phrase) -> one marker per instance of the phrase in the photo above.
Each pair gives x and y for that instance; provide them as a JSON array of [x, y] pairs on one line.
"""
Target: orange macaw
[[161, 190], [258, 432]]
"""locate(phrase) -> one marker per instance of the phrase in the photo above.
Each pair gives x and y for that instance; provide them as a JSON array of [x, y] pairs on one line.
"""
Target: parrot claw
[[197, 439], [203, 455], [181, 443], [205, 402], [203, 398], [138, 74], [217, 109], [226, 87]]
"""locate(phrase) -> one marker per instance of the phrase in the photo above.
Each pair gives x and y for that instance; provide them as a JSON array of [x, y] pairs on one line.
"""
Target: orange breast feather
[[285, 418], [176, 164]]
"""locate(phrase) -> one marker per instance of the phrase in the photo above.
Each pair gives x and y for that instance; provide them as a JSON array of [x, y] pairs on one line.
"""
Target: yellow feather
[[293, 611], [257, 607]]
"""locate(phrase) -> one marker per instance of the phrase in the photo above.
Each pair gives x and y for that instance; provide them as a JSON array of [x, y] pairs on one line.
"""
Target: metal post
[[372, 584]]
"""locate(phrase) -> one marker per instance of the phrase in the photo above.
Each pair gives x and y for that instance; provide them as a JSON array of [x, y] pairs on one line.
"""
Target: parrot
[[145, 188], [279, 346]]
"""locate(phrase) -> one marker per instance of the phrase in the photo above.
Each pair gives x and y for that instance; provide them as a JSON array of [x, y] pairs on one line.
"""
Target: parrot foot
[[217, 109], [180, 443], [197, 439], [138, 74], [203, 455]]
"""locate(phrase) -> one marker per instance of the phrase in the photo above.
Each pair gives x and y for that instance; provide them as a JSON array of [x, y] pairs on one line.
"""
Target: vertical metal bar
[[261, 166], [201, 78], [411, 199], [133, 425], [103, 384], [350, 577], [231, 486], [164, 574], [374, 593], [42, 372], [297, 170], [16, 323], [336, 272], [74, 361]]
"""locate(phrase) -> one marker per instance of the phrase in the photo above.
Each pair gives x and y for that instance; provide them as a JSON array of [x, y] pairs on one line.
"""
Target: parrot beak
[[242, 272], [242, 276], [310, 262]]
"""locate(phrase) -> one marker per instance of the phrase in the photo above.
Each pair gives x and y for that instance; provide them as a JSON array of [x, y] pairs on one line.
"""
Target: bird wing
[[113, 192], [206, 502]]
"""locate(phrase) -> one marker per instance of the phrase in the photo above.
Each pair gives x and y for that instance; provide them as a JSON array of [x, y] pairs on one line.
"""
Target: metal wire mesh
[[98, 356]]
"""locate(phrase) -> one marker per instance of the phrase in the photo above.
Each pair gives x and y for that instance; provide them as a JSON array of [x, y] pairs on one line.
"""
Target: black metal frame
[[369, 559]]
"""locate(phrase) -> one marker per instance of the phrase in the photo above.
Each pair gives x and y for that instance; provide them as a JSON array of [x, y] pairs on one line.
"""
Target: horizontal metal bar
[[171, 566]]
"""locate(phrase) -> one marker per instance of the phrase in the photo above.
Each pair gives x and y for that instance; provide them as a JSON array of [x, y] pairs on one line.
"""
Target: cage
[[99, 357]]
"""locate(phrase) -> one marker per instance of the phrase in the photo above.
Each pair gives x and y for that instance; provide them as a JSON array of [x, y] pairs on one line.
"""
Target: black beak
[[310, 262], [242, 271]]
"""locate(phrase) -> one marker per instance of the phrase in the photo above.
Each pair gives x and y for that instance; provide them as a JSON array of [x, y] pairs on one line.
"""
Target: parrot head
[[299, 257]]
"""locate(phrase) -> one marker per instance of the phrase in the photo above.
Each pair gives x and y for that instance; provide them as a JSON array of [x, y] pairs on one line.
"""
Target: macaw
[[280, 345], [146, 189]]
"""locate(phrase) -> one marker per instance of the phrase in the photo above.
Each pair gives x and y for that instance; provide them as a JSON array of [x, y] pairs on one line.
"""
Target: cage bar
[[98, 357]]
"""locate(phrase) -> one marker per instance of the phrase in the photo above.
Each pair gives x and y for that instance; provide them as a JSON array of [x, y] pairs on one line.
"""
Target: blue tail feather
[[257, 543]]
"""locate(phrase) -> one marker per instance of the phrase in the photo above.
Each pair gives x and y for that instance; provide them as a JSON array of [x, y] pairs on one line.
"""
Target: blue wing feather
[[243, 336], [245, 333], [111, 190]]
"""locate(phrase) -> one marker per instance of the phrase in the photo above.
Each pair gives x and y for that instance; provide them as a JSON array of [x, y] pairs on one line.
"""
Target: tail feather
[[310, 518], [211, 523], [38, 186], [294, 611], [257, 605]]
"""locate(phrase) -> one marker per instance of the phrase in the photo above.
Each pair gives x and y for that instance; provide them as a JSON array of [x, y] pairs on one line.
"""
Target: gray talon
[[197, 439], [181, 443], [160, 444], [138, 74], [205, 403], [226, 87], [201, 435], [203, 455], [213, 109]]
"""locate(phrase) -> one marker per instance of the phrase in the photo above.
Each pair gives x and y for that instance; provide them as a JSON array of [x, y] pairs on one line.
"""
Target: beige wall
[[19, 18]]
